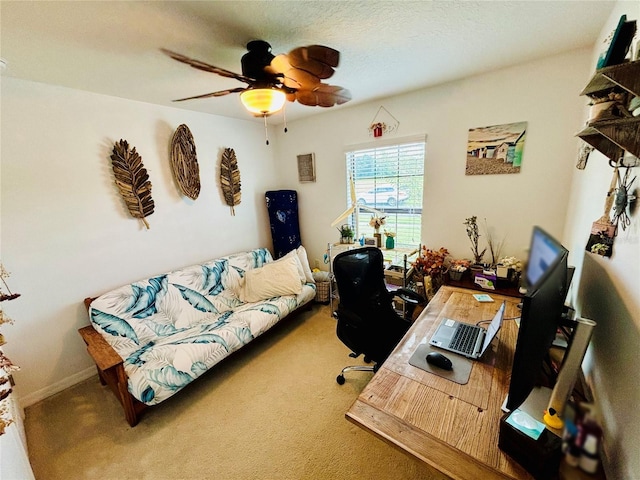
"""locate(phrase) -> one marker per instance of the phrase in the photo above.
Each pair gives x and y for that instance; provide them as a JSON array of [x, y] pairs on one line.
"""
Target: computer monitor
[[541, 314], [544, 251]]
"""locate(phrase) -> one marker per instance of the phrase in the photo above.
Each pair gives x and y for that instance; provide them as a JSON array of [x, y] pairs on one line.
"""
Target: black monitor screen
[[543, 252], [541, 313]]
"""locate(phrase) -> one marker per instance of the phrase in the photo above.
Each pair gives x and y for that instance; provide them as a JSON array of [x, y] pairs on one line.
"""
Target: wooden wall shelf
[[625, 75], [614, 136], [611, 137]]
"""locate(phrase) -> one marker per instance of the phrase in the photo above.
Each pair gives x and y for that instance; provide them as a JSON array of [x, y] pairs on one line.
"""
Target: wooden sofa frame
[[110, 368]]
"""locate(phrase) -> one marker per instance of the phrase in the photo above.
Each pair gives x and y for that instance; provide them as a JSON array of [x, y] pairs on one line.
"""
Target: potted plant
[[346, 234], [474, 235], [457, 269]]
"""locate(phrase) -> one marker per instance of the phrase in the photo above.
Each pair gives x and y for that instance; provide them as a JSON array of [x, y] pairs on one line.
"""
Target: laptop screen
[[493, 328]]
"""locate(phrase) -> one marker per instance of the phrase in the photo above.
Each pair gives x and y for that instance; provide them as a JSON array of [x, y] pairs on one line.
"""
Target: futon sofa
[[153, 337]]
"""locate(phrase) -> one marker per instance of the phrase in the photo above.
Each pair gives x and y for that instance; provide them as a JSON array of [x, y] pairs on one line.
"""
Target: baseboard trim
[[43, 393]]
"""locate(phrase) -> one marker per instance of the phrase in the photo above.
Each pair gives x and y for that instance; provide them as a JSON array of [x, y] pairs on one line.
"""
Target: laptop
[[465, 339]]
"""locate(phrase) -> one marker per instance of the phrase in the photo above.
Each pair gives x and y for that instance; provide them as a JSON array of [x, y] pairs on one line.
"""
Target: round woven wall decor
[[184, 162]]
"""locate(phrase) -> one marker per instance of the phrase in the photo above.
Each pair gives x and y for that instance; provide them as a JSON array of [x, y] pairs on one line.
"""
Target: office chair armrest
[[410, 296]]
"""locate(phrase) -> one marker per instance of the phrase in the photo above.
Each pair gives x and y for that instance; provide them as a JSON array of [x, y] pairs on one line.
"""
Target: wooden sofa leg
[[125, 397], [102, 380]]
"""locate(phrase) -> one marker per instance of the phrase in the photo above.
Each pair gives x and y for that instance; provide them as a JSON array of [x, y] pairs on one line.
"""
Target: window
[[389, 178]]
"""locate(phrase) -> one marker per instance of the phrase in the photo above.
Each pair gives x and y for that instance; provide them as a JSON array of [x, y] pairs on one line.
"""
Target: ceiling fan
[[273, 79]]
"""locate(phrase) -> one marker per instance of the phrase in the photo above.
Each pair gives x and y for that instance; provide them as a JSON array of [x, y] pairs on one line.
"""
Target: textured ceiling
[[387, 47]]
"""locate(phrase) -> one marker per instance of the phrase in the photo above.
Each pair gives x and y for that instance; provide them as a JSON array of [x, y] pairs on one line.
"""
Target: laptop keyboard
[[465, 338]]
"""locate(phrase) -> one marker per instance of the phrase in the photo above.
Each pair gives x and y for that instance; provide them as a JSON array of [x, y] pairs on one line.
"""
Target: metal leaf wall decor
[[184, 162], [132, 180], [230, 178]]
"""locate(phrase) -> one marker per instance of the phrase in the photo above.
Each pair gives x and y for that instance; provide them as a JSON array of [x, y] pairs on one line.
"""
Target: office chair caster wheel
[[340, 379]]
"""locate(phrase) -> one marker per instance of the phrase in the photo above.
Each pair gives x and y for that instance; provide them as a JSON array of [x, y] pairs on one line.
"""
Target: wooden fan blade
[[206, 67], [219, 93], [323, 96], [304, 59], [296, 78], [292, 77], [326, 55]]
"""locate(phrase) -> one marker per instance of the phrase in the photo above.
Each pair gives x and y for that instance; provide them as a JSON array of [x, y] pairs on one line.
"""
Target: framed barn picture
[[496, 149]]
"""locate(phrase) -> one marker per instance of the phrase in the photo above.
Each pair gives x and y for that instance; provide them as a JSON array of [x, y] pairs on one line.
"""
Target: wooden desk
[[454, 428]]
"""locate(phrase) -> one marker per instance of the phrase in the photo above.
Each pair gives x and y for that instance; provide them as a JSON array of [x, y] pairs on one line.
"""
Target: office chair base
[[356, 368]]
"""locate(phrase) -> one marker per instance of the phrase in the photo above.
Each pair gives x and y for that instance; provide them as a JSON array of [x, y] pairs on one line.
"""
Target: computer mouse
[[439, 360]]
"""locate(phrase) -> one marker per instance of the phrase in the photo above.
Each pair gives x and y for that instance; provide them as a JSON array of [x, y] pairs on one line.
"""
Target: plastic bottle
[[569, 448], [589, 456], [589, 435]]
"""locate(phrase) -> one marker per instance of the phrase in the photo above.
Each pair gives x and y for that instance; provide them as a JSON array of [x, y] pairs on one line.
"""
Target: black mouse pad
[[461, 365]]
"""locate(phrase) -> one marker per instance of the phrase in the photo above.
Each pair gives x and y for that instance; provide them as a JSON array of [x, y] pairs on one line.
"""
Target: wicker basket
[[323, 292]]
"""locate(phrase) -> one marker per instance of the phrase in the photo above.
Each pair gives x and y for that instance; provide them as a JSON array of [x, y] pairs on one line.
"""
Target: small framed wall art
[[496, 149], [307, 167]]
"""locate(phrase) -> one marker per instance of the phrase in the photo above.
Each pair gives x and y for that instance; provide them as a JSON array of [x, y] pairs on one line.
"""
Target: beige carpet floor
[[272, 410]]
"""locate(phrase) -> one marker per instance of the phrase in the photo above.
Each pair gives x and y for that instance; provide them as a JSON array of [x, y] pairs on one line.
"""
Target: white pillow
[[293, 254], [304, 261], [271, 280]]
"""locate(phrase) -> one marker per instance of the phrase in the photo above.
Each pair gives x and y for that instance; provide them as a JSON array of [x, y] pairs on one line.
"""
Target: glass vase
[[390, 243]]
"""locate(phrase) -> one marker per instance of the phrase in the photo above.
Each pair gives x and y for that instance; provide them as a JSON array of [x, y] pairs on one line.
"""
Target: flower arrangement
[[474, 234], [388, 233], [459, 265], [511, 262], [377, 222], [432, 262]]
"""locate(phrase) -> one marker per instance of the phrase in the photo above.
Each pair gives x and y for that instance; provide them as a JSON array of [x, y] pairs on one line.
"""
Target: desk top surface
[[452, 427]]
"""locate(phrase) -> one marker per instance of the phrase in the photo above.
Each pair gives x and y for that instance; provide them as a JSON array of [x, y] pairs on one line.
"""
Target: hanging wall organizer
[[383, 122]]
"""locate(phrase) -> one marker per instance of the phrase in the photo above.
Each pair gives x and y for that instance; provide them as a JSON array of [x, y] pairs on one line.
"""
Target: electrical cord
[[489, 321]]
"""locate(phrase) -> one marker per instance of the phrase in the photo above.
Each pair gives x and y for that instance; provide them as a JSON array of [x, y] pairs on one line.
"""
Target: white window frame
[[404, 217]]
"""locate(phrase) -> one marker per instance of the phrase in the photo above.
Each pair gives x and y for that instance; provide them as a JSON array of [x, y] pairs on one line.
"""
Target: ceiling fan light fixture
[[263, 101]]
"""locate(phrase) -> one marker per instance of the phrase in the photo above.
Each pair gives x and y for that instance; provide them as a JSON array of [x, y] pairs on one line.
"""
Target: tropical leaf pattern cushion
[[171, 328]]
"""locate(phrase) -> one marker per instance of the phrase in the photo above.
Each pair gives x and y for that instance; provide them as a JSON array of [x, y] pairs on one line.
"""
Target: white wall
[[607, 290], [66, 233], [543, 93]]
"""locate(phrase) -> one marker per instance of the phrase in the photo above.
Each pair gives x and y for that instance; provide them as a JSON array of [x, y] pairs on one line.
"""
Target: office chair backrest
[[367, 322], [359, 275]]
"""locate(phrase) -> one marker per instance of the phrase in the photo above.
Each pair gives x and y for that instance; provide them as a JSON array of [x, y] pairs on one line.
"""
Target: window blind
[[390, 179]]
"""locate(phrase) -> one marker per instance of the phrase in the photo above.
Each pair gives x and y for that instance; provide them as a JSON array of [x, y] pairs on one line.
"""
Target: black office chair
[[367, 321]]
